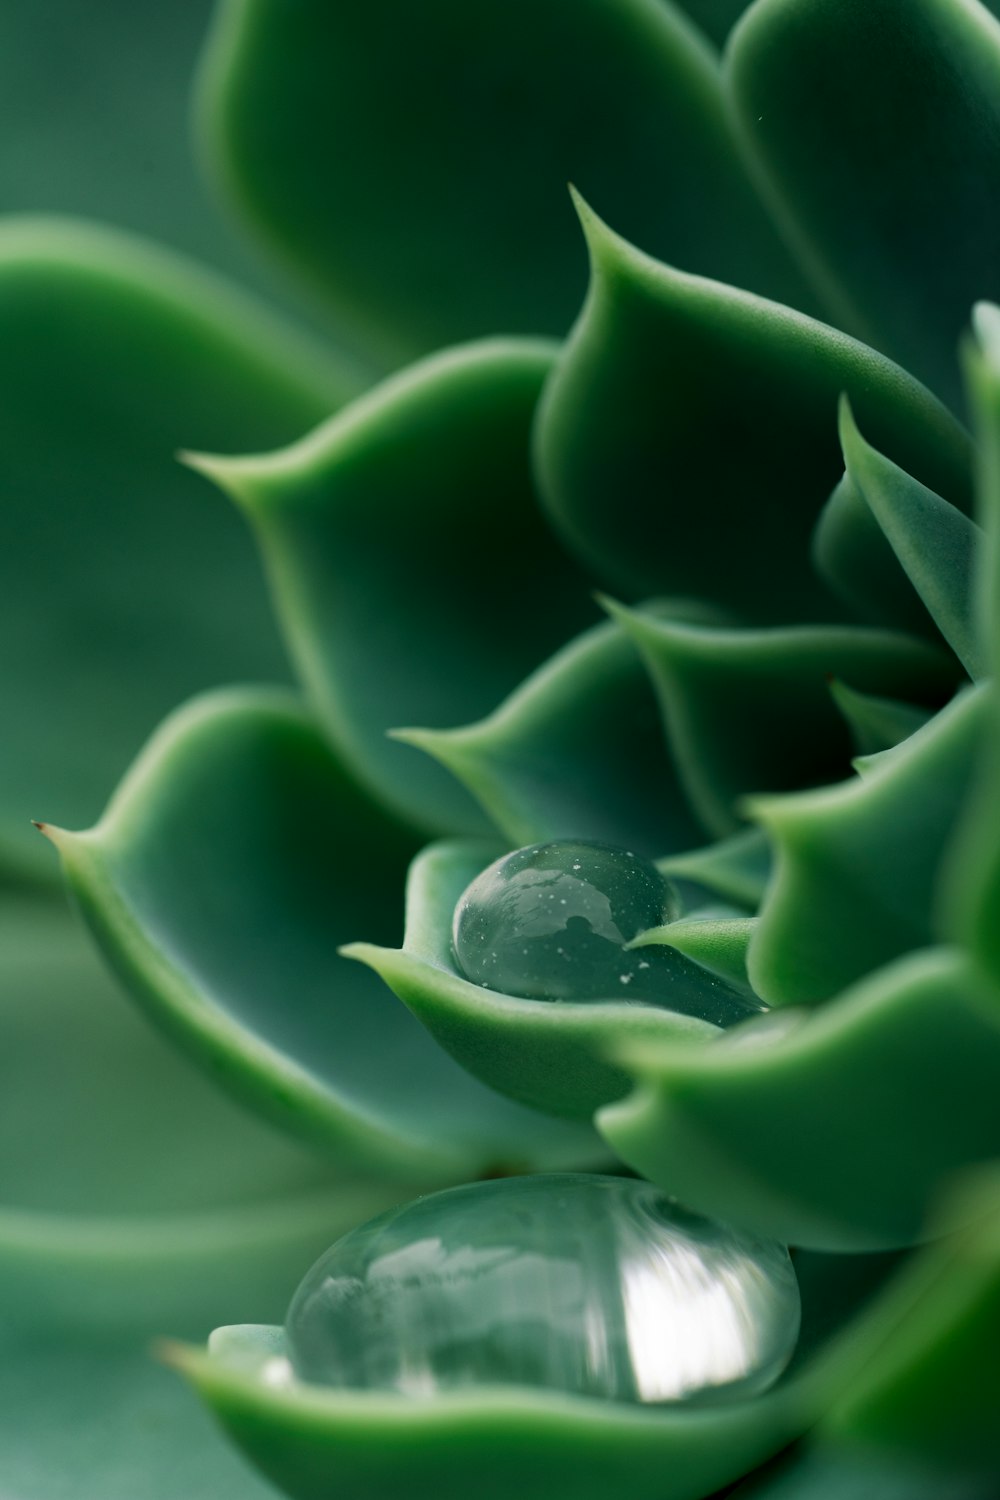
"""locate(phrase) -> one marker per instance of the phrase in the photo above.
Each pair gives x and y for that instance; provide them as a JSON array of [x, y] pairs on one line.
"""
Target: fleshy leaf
[[552, 1056], [135, 1199], [852, 555], [971, 884], [875, 723], [937, 546], [829, 1471], [414, 577], [750, 710], [232, 861], [313, 1439], [901, 241], [110, 354], [577, 751], [718, 942], [716, 18], [831, 1128], [344, 154], [929, 1392], [857, 865], [736, 869], [673, 388]]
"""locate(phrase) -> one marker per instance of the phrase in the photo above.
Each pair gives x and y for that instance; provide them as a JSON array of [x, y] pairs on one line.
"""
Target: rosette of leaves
[[784, 697]]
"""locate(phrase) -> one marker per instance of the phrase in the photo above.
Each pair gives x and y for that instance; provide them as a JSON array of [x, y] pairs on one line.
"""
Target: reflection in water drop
[[552, 922], [598, 1286]]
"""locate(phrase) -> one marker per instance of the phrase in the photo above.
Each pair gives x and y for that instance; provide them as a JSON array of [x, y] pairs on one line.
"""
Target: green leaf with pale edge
[[123, 588], [852, 555], [929, 1392], [876, 723], [413, 575], [750, 710], [232, 861], [552, 1056], [673, 388], [410, 164], [874, 129], [577, 751], [737, 869], [971, 884], [831, 1128], [312, 1439], [717, 942], [857, 865], [937, 546], [716, 18], [135, 1199], [315, 1442]]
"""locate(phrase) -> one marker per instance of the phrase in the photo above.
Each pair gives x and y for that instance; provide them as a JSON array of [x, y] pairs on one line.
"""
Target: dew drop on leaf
[[597, 1286], [553, 921]]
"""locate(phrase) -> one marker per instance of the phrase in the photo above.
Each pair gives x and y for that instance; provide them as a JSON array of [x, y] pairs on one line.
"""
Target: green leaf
[[928, 1393], [673, 388], [110, 354], [577, 751], [831, 1128], [750, 710], [831, 1472], [414, 577], [718, 942], [852, 555], [857, 865], [136, 1200], [875, 723], [411, 164], [716, 18], [234, 859], [552, 1056], [874, 127], [84, 1423], [313, 1441], [937, 546], [737, 869]]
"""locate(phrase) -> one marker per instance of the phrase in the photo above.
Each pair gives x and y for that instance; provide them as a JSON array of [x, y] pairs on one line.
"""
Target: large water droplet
[[552, 922], [599, 1286]]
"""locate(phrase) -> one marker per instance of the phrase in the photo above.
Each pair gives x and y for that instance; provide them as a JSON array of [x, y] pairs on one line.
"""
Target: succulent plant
[[648, 647]]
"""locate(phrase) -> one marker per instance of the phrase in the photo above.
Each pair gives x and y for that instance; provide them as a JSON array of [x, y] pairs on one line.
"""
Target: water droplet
[[510, 935], [599, 1286]]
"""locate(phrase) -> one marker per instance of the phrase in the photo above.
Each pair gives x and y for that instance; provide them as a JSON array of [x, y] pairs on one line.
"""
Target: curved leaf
[[551, 1056], [231, 863], [420, 186], [874, 126], [135, 1199], [937, 546], [858, 865], [736, 869], [673, 388], [413, 575], [312, 1440], [750, 710], [832, 1129], [717, 942], [852, 555], [928, 1393], [110, 354], [577, 751], [875, 723]]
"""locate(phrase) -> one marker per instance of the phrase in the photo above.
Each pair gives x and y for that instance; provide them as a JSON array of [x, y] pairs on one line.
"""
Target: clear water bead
[[598, 1286], [553, 921]]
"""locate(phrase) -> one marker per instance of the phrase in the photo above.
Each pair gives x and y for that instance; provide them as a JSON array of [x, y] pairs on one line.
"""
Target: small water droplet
[[558, 917], [598, 1286]]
